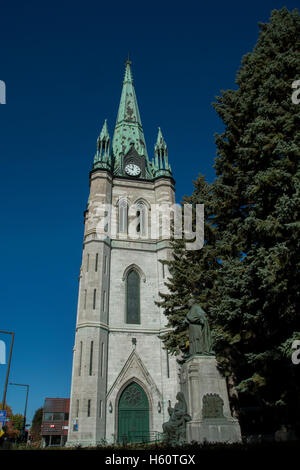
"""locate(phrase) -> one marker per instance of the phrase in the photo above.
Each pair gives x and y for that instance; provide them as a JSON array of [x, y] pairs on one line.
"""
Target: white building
[[122, 377]]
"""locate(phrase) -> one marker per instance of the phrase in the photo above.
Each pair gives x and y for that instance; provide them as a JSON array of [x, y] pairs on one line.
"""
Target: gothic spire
[[128, 128], [102, 158], [161, 164], [104, 135]]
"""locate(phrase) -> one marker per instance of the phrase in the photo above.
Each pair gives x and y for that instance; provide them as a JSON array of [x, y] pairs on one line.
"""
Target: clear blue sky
[[63, 64]]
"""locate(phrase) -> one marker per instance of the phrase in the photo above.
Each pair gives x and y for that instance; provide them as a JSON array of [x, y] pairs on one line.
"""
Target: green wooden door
[[133, 419]]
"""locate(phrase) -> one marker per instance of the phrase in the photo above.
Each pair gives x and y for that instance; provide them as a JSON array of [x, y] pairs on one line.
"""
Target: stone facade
[[110, 353]]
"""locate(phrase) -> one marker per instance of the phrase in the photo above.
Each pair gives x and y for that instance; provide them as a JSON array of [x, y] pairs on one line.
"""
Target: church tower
[[122, 377]]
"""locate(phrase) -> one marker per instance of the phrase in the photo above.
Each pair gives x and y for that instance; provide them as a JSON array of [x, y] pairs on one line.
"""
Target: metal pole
[[8, 366], [27, 386], [26, 407], [24, 423]]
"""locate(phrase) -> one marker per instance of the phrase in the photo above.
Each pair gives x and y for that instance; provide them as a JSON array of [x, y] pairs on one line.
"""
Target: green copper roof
[[129, 134], [128, 126], [160, 141], [161, 164], [102, 158], [104, 135]]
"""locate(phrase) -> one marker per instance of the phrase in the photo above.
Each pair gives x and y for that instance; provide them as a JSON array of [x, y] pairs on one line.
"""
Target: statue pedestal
[[205, 392]]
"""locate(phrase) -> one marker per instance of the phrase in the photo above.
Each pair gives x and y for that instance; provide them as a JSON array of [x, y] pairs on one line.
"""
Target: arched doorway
[[133, 415]]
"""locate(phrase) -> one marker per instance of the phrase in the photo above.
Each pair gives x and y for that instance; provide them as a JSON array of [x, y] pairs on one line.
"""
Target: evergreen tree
[[257, 212], [253, 261], [190, 271]]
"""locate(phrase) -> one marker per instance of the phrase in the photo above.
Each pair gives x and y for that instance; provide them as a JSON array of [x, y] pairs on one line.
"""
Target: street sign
[[2, 417]]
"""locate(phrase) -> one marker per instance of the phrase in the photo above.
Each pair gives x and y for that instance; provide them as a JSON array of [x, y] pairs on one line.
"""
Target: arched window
[[142, 214], [133, 297], [123, 216]]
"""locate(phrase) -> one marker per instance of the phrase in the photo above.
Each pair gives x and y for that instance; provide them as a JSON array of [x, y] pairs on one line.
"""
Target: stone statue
[[199, 331], [175, 429]]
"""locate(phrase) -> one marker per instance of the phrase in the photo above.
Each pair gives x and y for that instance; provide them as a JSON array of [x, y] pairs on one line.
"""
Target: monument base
[[205, 392], [210, 431]]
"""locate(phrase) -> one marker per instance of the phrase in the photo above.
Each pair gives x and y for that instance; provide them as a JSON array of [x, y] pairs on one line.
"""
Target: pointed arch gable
[[134, 370], [138, 382], [122, 200], [142, 201], [135, 267]]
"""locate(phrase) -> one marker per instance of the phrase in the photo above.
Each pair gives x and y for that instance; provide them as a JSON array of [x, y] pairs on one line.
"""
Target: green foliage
[[35, 429], [8, 410], [18, 421], [247, 275], [190, 270]]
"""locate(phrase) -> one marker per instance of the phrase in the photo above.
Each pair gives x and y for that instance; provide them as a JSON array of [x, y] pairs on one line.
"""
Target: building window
[[94, 299], [102, 359], [96, 262], [104, 300], [87, 263], [142, 215], [168, 364], [84, 303], [105, 264], [91, 358], [77, 408], [160, 225], [163, 270], [54, 416], [89, 408], [80, 358], [123, 216], [133, 297], [100, 409]]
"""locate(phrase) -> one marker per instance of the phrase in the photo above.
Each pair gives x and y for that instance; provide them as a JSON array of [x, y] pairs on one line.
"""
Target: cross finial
[[128, 61]]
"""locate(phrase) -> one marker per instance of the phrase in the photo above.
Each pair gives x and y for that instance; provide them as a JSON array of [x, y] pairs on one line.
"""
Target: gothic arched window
[[142, 214], [133, 297], [123, 216]]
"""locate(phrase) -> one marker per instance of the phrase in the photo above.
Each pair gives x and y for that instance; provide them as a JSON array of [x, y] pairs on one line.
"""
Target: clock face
[[132, 169]]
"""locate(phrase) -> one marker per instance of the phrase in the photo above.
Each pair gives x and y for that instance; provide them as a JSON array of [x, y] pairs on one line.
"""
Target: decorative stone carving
[[212, 406]]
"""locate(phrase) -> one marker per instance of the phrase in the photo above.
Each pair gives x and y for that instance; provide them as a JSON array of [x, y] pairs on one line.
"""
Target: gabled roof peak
[[128, 126]]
